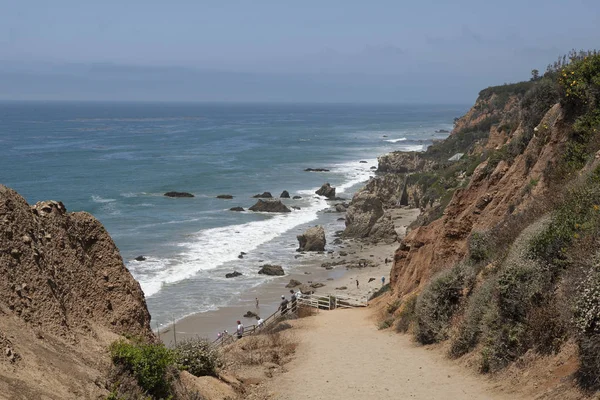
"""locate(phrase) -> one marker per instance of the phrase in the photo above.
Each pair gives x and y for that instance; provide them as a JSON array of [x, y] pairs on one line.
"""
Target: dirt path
[[343, 356]]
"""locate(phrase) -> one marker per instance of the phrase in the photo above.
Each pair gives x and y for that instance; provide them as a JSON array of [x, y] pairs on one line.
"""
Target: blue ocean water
[[116, 160]]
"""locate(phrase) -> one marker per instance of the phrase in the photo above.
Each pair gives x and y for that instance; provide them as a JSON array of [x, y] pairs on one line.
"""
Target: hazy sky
[[427, 51]]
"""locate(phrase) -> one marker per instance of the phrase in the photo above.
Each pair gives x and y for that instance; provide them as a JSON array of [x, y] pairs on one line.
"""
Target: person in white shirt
[[260, 322], [240, 330]]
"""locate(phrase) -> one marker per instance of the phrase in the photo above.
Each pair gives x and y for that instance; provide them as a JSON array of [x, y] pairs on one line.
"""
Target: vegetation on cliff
[[510, 266]]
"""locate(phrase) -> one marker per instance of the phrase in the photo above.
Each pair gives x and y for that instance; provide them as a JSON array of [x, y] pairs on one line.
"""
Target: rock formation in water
[[270, 206]]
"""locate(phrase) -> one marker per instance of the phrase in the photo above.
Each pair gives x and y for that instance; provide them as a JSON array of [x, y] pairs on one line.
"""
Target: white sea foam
[[415, 147], [213, 247], [98, 199], [395, 140]]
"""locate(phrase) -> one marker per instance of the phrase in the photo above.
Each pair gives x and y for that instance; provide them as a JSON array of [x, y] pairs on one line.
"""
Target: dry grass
[[275, 348], [306, 311]]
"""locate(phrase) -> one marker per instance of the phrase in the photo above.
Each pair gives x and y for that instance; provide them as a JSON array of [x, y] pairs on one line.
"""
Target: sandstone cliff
[[64, 296]]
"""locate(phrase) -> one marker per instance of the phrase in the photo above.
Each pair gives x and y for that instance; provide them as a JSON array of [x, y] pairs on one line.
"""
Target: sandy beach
[[208, 324]]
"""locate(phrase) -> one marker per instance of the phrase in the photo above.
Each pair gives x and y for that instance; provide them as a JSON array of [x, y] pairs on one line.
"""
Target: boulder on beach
[[233, 274], [316, 285], [297, 197], [264, 195], [312, 240], [274, 270], [250, 314], [285, 194], [305, 289], [316, 170], [341, 288], [293, 283], [178, 194], [225, 196], [371, 280], [364, 212], [327, 191], [270, 206], [363, 162], [140, 258], [237, 209]]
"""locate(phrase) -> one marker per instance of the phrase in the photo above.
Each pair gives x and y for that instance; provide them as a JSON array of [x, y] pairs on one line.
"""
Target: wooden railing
[[318, 301]]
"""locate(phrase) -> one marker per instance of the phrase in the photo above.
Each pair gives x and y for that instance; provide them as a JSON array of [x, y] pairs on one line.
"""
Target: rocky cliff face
[[493, 193], [64, 295]]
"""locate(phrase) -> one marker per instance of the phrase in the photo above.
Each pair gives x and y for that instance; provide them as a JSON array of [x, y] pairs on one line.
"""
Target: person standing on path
[[382, 280], [284, 305], [240, 330]]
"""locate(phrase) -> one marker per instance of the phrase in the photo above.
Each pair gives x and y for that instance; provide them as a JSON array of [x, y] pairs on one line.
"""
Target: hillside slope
[[530, 170], [64, 296]]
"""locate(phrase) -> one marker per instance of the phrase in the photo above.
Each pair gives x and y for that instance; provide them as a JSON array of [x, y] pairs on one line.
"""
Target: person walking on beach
[[256, 299], [357, 283], [240, 330], [382, 280], [284, 305]]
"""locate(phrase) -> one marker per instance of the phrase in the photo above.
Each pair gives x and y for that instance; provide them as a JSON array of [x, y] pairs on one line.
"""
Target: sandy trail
[[343, 356]]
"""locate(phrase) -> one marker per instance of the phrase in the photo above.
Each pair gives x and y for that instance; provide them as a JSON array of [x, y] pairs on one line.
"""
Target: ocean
[[116, 160]]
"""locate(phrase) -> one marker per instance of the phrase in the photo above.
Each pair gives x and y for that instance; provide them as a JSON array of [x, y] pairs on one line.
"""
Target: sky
[[278, 50]]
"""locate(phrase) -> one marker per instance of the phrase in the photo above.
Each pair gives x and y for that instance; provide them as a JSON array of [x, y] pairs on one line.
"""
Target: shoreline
[[209, 323]]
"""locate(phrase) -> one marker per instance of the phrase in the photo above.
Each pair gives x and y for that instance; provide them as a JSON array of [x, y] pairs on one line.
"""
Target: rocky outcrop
[[285, 195], [297, 197], [263, 195], [403, 162], [268, 269], [233, 274], [312, 240], [237, 209], [225, 196], [64, 295], [327, 191], [178, 194], [293, 283], [270, 206], [362, 215]]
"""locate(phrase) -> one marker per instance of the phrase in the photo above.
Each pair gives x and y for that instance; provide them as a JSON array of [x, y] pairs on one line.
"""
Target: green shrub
[[438, 302], [197, 356], [392, 307], [386, 323], [385, 288], [407, 315], [479, 246], [149, 363], [470, 329], [586, 317]]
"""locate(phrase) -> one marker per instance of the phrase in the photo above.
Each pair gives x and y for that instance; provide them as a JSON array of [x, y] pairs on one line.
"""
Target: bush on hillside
[[385, 288], [197, 356], [151, 364], [470, 329], [479, 246], [406, 317], [438, 302], [587, 323]]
